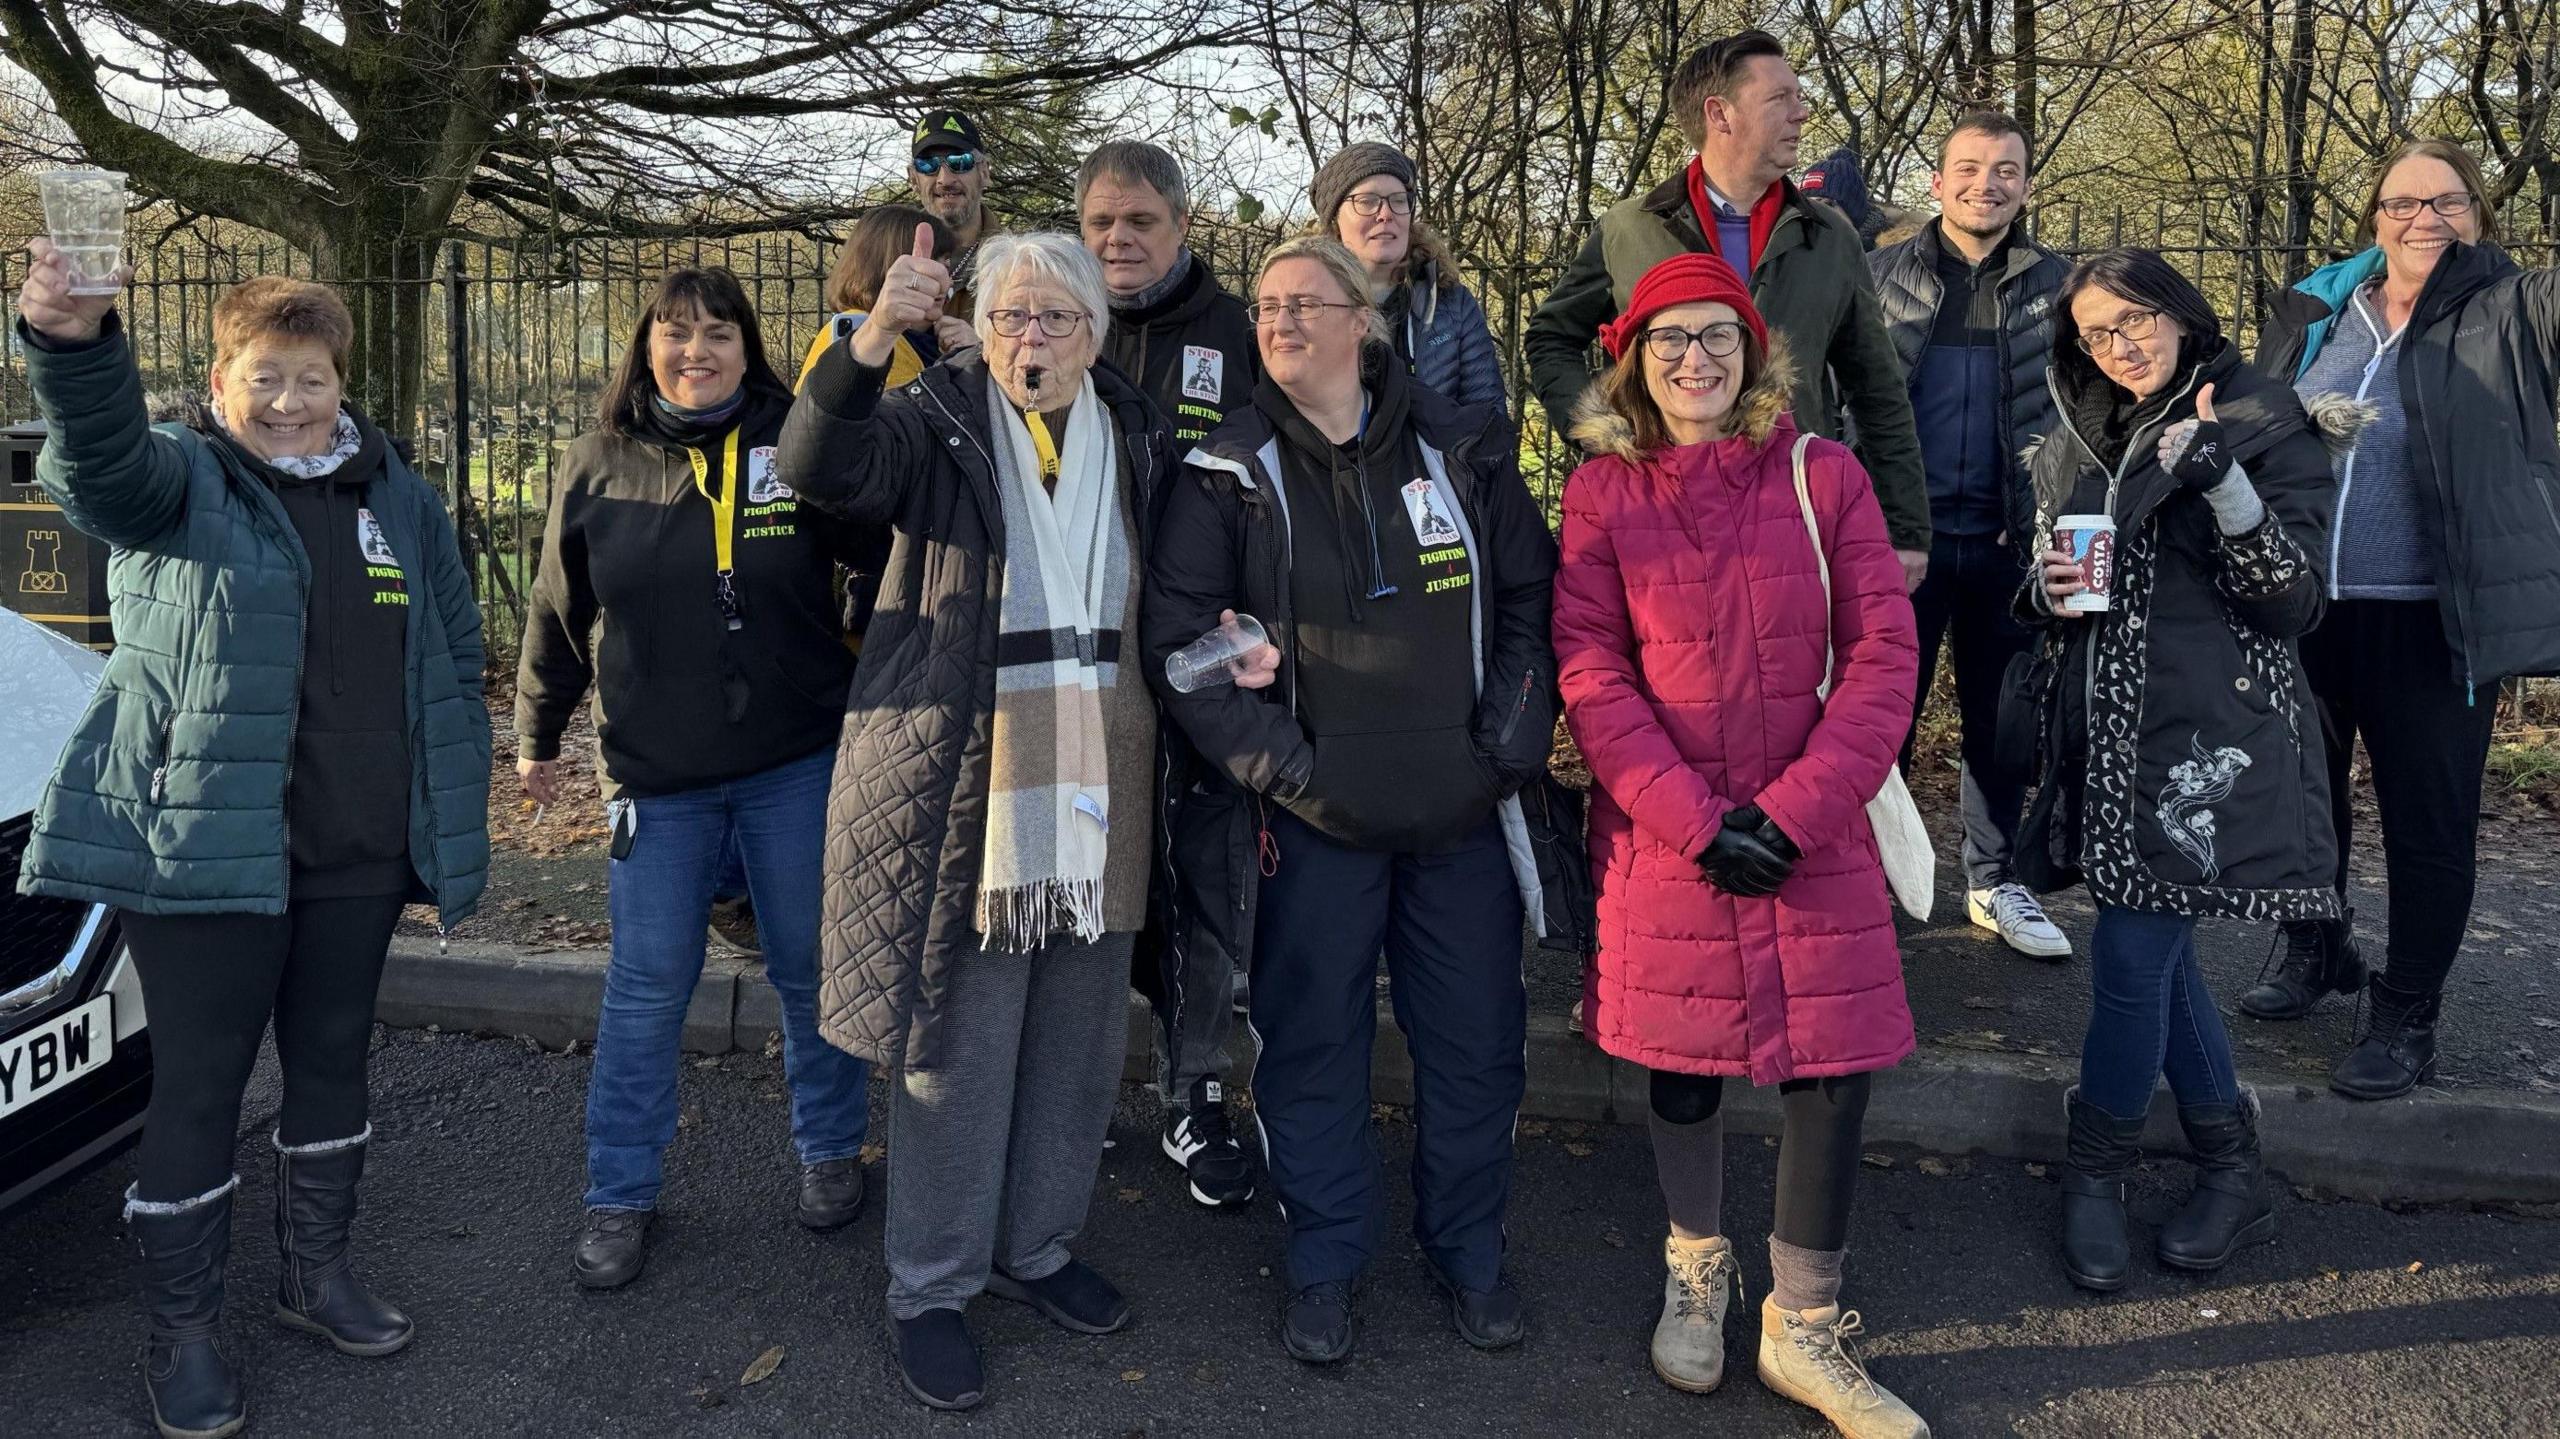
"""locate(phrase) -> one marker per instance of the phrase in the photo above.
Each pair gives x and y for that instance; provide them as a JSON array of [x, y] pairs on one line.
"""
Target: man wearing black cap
[[949, 175]]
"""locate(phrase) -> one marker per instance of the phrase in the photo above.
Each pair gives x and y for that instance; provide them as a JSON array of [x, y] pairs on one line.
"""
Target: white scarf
[[1066, 583]]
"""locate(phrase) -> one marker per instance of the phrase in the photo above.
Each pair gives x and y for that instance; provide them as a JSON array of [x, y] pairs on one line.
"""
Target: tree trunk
[[384, 276], [2023, 40]]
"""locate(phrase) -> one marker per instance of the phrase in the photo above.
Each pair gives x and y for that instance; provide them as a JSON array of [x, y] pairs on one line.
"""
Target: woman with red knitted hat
[[1718, 567]]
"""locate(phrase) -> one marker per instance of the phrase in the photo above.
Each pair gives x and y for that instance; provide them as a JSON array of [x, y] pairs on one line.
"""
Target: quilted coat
[[1689, 632], [170, 796], [908, 810]]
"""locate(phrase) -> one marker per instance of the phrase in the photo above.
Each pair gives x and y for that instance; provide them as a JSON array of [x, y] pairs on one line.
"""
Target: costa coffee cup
[[2091, 540]]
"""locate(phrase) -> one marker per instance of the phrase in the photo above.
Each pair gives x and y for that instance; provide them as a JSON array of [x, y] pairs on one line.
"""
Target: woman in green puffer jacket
[[288, 746]]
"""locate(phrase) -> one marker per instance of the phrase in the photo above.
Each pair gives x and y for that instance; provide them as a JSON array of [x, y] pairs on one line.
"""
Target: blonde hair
[[1337, 261]]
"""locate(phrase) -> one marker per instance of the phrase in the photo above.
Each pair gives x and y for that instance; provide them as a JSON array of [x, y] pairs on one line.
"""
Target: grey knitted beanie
[[1349, 166]]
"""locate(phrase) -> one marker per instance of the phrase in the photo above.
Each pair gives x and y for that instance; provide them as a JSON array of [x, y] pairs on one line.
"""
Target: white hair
[[1057, 261]]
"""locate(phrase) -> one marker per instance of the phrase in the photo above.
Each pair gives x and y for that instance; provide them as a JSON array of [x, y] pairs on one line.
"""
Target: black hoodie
[[628, 600], [1191, 351], [347, 804]]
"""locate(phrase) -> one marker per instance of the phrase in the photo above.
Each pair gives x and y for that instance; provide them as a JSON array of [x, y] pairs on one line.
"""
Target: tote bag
[[1902, 841]]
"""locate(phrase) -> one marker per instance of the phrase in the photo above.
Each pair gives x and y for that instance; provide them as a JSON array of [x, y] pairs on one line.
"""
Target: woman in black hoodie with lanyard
[[688, 585], [1368, 799]]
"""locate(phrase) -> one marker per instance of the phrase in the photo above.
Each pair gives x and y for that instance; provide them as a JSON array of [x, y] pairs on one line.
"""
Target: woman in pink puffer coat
[[1745, 927]]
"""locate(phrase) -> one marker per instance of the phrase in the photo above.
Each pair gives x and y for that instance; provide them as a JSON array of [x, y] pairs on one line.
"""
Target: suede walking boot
[[1805, 1356], [1688, 1340], [185, 1245]]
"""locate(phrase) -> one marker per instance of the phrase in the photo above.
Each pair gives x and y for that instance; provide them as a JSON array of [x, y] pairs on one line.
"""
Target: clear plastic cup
[[1204, 663], [84, 213]]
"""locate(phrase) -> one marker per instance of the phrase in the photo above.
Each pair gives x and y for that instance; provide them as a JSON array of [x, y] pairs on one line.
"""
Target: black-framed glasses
[[1668, 343], [1301, 308], [960, 161], [1367, 205], [1056, 324], [2453, 205], [2136, 326]]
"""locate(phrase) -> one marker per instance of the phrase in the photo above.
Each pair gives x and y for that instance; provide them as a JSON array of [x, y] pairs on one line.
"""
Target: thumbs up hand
[[2192, 451], [910, 298]]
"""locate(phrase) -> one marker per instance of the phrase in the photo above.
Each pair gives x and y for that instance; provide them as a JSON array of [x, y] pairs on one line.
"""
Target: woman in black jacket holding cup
[[2183, 774]]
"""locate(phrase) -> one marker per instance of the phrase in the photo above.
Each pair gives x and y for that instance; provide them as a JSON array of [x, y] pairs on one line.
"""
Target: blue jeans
[[661, 902], [2150, 1014]]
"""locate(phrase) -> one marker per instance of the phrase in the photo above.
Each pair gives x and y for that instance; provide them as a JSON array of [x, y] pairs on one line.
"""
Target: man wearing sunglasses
[[949, 173]]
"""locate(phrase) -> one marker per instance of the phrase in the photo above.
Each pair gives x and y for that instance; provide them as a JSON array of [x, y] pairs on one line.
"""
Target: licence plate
[[36, 1063]]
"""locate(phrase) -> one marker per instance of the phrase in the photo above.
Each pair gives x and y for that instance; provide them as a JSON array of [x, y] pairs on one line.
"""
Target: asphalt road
[[2358, 1320]]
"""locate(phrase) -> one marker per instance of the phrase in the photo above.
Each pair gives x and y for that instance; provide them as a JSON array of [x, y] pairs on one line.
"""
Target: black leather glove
[[1750, 856], [2204, 460]]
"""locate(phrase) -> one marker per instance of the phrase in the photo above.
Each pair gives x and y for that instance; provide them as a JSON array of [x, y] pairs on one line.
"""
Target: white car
[[75, 1059]]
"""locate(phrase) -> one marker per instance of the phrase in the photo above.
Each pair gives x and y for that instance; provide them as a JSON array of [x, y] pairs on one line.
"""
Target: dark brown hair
[[1994, 123], [2144, 278], [1622, 387], [1714, 69], [693, 292], [276, 307], [2464, 165], [874, 243]]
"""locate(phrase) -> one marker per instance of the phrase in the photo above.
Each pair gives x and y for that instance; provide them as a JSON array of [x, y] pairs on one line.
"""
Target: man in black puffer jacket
[[1968, 304]]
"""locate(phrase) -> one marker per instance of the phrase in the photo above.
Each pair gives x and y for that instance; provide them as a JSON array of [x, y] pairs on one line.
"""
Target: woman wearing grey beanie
[[1365, 197]]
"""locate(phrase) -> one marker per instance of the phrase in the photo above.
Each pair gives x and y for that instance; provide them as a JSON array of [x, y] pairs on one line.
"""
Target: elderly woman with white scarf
[[990, 834]]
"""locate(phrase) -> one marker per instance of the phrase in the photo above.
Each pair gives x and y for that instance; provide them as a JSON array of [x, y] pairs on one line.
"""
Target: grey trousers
[[992, 1152]]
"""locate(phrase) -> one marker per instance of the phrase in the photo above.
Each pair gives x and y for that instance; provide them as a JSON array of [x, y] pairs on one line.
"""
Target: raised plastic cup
[[1205, 662], [84, 213]]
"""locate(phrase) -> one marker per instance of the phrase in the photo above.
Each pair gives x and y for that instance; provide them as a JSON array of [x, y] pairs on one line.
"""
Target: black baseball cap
[[946, 130]]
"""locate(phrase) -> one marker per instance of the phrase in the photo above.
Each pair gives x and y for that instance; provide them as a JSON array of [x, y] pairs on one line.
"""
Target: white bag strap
[[1821, 562]]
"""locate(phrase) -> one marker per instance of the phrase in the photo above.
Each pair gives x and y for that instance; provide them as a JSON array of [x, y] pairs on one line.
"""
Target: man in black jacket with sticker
[[1174, 329], [1188, 344], [1372, 797], [1968, 305]]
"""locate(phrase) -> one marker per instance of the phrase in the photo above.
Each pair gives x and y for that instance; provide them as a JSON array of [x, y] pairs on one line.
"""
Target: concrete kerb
[[2434, 1146]]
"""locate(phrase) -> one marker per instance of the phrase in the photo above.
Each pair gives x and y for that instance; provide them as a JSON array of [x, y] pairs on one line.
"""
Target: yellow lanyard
[[1040, 441], [724, 519]]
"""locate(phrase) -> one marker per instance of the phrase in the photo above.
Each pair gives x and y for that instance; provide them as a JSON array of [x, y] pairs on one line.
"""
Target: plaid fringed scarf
[[1066, 585]]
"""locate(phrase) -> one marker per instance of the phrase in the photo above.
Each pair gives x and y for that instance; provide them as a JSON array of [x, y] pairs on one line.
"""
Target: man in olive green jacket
[[1738, 102]]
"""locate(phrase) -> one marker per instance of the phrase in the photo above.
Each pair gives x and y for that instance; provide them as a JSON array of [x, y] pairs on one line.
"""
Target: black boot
[[2229, 1209], [317, 1290], [2397, 1050], [194, 1393], [2099, 1151], [2321, 958]]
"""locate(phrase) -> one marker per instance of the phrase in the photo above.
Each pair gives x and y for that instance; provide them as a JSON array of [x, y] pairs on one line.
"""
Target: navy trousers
[[1449, 923]]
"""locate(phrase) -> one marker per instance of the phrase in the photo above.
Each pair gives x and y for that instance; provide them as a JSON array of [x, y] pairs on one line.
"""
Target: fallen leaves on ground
[[763, 1368]]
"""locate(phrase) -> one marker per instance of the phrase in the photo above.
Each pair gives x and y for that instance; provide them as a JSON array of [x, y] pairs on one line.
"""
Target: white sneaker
[[2010, 912]]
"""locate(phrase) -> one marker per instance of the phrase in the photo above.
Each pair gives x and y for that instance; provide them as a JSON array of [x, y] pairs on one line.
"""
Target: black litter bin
[[49, 572]]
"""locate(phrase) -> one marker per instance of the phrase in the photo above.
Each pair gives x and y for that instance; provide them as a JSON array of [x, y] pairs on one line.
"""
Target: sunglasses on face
[[960, 161]]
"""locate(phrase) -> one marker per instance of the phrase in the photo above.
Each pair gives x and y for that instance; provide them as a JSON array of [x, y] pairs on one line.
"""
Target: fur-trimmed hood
[[1603, 431]]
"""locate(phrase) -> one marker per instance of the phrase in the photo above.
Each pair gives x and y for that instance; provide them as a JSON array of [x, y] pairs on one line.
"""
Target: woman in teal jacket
[[288, 746]]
